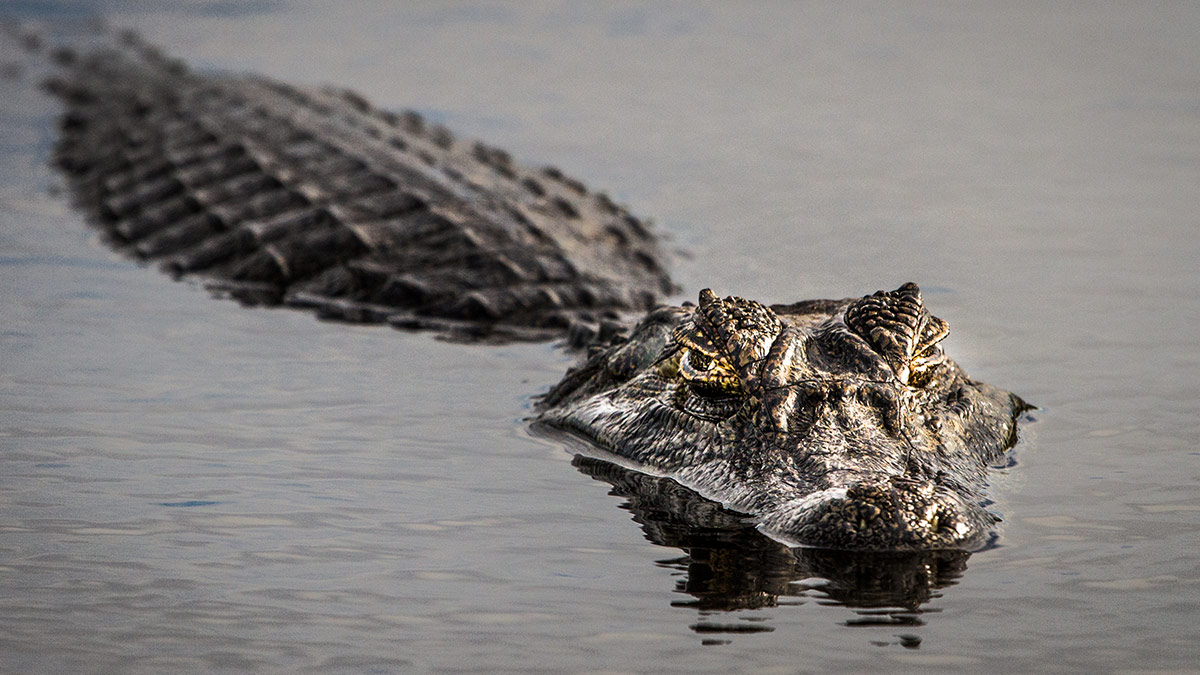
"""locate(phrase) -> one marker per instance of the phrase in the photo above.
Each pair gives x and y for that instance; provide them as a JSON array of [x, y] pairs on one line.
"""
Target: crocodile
[[829, 424]]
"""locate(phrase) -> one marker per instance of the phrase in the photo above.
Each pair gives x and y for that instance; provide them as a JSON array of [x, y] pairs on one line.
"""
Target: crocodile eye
[[715, 344], [708, 376], [695, 363]]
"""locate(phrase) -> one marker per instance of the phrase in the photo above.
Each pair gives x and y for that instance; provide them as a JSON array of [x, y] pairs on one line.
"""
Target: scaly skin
[[314, 198], [836, 424]]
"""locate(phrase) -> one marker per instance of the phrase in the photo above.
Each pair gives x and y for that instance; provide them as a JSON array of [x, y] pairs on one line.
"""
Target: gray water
[[190, 486]]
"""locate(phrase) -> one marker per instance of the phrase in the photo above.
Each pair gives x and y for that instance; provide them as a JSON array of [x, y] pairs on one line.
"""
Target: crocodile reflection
[[728, 565]]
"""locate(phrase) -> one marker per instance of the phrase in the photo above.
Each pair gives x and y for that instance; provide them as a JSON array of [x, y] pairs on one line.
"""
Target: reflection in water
[[728, 565]]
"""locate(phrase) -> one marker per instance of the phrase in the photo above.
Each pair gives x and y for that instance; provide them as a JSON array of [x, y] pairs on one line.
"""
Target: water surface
[[187, 485]]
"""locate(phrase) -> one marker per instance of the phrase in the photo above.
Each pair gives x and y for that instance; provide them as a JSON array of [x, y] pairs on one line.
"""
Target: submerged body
[[836, 424]]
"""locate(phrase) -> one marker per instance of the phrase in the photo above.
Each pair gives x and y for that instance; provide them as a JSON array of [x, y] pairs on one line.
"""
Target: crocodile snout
[[881, 514]]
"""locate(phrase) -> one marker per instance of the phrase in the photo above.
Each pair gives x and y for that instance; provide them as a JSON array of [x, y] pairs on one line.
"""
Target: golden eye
[[707, 374], [694, 361]]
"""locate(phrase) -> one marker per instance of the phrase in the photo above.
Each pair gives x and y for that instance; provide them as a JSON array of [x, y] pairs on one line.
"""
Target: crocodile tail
[[315, 198]]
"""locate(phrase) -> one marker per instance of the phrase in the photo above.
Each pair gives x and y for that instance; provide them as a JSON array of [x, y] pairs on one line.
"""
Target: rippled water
[[187, 485]]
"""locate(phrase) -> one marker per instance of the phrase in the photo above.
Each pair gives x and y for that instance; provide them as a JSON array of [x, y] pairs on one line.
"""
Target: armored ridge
[[316, 199]]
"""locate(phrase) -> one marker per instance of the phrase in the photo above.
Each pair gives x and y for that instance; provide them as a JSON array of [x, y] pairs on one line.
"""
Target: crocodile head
[[833, 423]]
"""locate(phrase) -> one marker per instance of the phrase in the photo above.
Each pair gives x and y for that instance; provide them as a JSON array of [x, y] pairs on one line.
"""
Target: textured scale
[[725, 341], [314, 198], [736, 330], [897, 325]]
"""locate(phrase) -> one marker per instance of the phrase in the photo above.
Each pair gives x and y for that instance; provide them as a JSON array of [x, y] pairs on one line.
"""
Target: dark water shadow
[[727, 565]]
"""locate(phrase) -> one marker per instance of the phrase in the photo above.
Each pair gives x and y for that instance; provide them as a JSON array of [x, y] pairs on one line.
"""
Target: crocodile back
[[314, 198]]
